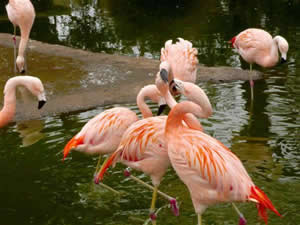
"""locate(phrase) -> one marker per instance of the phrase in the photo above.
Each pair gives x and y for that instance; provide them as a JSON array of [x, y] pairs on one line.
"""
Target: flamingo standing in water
[[21, 13], [33, 84], [210, 170], [258, 46], [102, 134], [143, 146]]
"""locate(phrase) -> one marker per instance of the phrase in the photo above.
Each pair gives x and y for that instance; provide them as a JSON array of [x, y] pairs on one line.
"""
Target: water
[[38, 188]]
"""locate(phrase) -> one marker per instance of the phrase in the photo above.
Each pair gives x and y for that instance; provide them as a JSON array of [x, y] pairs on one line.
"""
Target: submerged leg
[[104, 185], [242, 220], [199, 219], [15, 49], [152, 208], [251, 83], [98, 165], [171, 200]]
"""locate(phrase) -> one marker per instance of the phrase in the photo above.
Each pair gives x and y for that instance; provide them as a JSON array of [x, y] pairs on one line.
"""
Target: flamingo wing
[[141, 138], [182, 58], [213, 165], [105, 129]]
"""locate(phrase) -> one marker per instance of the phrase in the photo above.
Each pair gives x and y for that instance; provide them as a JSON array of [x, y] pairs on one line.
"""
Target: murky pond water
[[38, 188]]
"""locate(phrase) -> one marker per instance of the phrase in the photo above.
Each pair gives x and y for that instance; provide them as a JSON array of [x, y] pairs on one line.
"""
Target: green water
[[38, 188]]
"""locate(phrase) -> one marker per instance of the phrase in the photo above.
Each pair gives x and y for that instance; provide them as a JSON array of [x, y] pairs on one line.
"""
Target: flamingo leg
[[172, 201], [15, 49], [98, 165], [106, 186], [152, 208], [242, 221], [199, 219], [251, 83]]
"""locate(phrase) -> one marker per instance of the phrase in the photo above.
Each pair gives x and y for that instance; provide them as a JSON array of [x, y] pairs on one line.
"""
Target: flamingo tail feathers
[[73, 143], [107, 163], [263, 203]]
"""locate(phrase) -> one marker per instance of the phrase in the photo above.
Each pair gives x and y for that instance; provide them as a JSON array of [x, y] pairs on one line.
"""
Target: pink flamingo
[[143, 145], [258, 46], [180, 59], [102, 134], [21, 13], [33, 84], [211, 171]]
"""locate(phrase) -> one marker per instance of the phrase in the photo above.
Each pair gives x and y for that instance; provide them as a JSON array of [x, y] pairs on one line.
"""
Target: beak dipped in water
[[41, 104]]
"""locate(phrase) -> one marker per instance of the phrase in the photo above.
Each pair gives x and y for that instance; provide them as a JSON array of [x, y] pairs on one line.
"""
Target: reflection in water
[[30, 131]]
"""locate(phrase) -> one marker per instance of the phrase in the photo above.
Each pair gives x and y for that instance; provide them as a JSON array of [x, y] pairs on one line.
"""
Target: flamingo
[[210, 170], [143, 146], [21, 13], [180, 60], [33, 84], [102, 134], [258, 46]]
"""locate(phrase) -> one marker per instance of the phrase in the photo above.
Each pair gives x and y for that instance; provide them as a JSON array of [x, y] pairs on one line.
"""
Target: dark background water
[[37, 188]]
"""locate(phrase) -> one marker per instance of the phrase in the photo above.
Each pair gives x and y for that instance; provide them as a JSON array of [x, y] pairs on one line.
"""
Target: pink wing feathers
[[182, 58], [142, 140], [107, 127]]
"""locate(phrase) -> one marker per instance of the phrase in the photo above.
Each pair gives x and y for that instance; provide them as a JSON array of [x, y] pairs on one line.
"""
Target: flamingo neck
[[272, 57], [151, 92], [9, 108], [177, 114]]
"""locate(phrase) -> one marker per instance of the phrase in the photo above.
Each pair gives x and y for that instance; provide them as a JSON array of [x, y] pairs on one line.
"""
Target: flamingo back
[[182, 58], [105, 129], [204, 163]]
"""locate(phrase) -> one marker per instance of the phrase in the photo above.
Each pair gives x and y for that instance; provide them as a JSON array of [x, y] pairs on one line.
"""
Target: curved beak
[[42, 100], [283, 60], [161, 109], [164, 75], [22, 71], [41, 104]]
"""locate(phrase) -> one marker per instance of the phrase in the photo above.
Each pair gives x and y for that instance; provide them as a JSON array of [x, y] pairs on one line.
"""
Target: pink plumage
[[209, 169], [181, 58]]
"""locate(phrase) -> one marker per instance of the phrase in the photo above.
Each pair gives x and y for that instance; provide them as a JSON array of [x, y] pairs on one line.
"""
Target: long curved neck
[[271, 58], [177, 114], [151, 92], [23, 42], [9, 108]]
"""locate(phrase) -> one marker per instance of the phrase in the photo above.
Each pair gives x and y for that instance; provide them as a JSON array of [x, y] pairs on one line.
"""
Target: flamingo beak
[[164, 75], [41, 104], [161, 109], [42, 100], [283, 60]]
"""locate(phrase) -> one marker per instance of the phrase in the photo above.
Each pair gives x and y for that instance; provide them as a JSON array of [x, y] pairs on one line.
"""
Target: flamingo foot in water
[[127, 173], [15, 40], [174, 207], [153, 216], [242, 221]]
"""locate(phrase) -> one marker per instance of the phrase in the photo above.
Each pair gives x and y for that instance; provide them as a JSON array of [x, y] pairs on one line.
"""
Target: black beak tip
[[164, 75], [41, 104], [22, 71], [161, 109], [282, 61]]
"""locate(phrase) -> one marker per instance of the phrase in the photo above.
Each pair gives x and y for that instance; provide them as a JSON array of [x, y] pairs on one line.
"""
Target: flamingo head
[[283, 47], [20, 64], [35, 86]]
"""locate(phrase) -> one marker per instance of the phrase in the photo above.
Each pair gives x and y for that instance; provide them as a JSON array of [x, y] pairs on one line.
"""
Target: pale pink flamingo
[[180, 60], [102, 134], [258, 46], [143, 145], [21, 13], [33, 84], [210, 170]]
